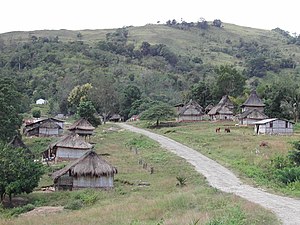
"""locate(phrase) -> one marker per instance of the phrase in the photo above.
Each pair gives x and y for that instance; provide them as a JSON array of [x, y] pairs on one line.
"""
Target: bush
[[74, 204], [288, 175], [36, 113]]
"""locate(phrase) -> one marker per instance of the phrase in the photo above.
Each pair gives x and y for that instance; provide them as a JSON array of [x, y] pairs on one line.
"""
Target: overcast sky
[[29, 15]]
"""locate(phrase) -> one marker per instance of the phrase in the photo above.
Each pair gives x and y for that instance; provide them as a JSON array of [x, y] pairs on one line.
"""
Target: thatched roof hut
[[82, 127], [223, 110], [89, 171], [252, 110], [44, 127], [69, 148], [253, 102], [190, 112]]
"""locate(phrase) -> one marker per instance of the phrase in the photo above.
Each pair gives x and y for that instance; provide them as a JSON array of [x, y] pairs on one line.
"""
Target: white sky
[[28, 15]]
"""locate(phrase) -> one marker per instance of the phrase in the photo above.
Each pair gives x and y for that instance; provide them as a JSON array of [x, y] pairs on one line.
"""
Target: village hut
[[82, 127], [208, 108], [115, 118], [69, 148], [190, 112], [252, 110], [274, 126], [223, 110], [89, 171], [44, 128]]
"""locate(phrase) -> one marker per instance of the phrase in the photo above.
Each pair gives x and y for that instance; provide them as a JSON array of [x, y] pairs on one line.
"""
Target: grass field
[[142, 198], [239, 150]]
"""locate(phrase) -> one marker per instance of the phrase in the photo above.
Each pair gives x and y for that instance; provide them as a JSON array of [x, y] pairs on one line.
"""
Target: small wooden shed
[[274, 126], [89, 171], [223, 110], [69, 148], [190, 112], [82, 127]]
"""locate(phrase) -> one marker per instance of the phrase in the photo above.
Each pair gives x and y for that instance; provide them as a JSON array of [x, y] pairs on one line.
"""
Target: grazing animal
[[218, 130], [227, 130]]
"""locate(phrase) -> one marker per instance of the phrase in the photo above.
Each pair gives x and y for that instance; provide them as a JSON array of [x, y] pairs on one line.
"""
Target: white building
[[274, 126], [40, 101]]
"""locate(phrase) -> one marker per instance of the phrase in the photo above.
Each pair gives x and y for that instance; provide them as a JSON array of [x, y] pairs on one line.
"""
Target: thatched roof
[[90, 164], [258, 114], [225, 106], [253, 100], [72, 141], [191, 105], [45, 123], [50, 125], [82, 124]]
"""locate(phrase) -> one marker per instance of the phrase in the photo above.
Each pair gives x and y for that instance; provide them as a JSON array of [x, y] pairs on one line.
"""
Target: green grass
[[239, 150], [162, 202]]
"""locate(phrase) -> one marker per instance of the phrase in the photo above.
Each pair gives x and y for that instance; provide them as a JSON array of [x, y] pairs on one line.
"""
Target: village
[[87, 169]]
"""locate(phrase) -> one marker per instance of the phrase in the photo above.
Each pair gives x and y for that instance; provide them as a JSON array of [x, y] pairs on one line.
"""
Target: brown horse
[[218, 130], [227, 130]]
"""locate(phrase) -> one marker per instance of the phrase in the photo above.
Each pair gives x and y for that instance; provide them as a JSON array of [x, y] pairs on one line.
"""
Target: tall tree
[[130, 95], [10, 120], [87, 110], [104, 96], [78, 94]]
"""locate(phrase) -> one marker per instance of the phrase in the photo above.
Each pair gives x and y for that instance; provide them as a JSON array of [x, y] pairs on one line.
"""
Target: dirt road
[[287, 209]]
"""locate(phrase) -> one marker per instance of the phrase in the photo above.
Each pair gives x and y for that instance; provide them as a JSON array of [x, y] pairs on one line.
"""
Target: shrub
[[288, 175], [181, 181], [74, 204]]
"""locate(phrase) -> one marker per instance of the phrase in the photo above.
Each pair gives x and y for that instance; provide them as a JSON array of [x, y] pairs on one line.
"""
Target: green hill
[[163, 61]]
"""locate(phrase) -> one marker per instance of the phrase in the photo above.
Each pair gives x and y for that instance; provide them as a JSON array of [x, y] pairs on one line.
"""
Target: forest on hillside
[[125, 73]]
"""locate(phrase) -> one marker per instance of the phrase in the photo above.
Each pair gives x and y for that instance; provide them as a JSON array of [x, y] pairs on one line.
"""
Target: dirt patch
[[44, 211]]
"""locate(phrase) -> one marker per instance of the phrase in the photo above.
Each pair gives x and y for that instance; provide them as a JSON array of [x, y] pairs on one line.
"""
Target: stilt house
[[82, 127], [89, 171]]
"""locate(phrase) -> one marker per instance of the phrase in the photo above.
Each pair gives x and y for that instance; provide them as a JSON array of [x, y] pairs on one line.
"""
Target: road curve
[[287, 209]]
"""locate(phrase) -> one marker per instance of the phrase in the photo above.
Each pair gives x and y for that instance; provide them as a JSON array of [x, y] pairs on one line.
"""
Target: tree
[[36, 113], [159, 112], [217, 23], [104, 96], [201, 93], [10, 107], [87, 110], [78, 94], [18, 172], [130, 95], [229, 81]]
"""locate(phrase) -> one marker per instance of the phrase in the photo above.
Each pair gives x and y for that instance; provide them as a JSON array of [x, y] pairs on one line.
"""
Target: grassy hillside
[[164, 62], [162, 201]]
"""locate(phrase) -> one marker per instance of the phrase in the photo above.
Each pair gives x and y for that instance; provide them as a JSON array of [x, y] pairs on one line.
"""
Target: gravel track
[[287, 209]]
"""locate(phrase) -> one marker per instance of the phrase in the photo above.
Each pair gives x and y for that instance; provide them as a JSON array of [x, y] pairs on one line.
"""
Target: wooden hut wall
[[48, 131], [68, 153], [65, 182], [190, 118], [93, 182]]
